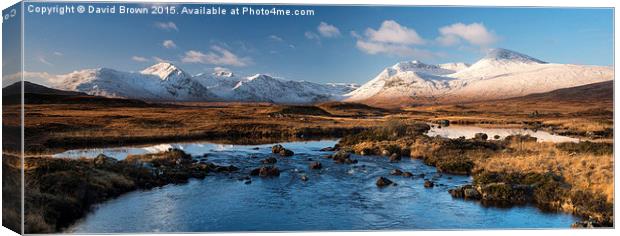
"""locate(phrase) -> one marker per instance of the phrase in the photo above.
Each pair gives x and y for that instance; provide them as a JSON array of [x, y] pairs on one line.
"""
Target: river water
[[337, 197]]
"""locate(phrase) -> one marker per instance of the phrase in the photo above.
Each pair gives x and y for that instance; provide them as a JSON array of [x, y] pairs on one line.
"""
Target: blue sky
[[337, 44]]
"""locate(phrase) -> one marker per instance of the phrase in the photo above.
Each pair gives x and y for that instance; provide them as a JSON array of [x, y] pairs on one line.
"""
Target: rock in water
[[383, 182], [385, 153], [277, 148], [286, 153], [266, 171], [407, 174], [315, 165], [481, 136], [304, 178], [342, 157], [428, 184], [396, 172], [395, 157]]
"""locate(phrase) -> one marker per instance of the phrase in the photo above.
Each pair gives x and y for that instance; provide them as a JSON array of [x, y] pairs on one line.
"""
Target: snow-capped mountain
[[166, 82], [160, 82], [500, 74], [264, 88], [455, 66], [412, 78]]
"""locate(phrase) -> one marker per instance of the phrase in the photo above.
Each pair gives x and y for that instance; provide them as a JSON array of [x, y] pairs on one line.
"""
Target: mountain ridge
[[167, 82], [498, 75]]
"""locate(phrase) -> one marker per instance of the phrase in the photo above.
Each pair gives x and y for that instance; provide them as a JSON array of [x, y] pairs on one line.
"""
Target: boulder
[[266, 171], [385, 153], [277, 148], [395, 157], [304, 178], [315, 165], [481, 136], [496, 137], [383, 182], [466, 192], [396, 172], [429, 184], [407, 174], [342, 157], [286, 153]]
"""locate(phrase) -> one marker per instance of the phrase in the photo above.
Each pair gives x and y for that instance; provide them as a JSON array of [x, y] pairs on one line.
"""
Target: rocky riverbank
[[60, 191]]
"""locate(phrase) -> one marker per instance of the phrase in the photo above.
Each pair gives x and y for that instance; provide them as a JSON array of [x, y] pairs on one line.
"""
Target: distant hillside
[[29, 87], [603, 91], [39, 94]]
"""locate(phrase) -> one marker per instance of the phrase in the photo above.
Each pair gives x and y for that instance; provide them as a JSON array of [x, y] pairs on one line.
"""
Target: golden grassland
[[54, 127], [587, 171]]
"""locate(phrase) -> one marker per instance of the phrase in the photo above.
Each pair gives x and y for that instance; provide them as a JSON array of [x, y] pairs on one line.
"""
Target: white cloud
[[392, 32], [328, 31], [393, 39], [311, 35], [374, 48], [169, 44], [168, 26], [44, 61], [276, 38], [58, 54], [139, 59], [475, 34], [217, 56]]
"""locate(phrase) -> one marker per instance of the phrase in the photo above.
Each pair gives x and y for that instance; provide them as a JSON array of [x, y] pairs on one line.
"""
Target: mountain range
[[500, 74], [166, 82]]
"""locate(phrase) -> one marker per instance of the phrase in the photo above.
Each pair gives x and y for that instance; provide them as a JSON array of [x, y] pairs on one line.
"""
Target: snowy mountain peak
[[259, 77], [410, 65], [500, 54], [417, 66], [165, 71]]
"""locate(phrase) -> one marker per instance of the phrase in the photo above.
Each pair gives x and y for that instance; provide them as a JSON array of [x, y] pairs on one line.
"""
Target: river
[[337, 197]]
